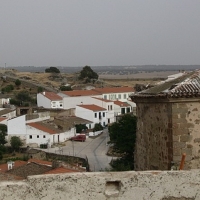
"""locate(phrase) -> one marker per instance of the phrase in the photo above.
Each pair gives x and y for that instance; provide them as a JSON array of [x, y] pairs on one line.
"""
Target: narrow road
[[94, 149]]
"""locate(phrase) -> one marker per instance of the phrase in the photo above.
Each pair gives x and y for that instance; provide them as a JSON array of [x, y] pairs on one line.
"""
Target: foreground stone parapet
[[149, 185]]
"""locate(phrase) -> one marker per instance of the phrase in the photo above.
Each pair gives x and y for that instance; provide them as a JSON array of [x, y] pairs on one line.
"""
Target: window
[[108, 107], [111, 107], [105, 96], [103, 114], [119, 96], [124, 96], [95, 115], [122, 110], [44, 136], [61, 105], [37, 136], [53, 104], [30, 136], [104, 123]]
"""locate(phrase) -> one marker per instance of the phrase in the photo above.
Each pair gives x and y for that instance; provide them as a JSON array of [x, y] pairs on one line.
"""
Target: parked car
[[81, 137]]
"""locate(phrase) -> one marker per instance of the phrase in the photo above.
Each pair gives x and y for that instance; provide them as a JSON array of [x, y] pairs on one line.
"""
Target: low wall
[[152, 185]]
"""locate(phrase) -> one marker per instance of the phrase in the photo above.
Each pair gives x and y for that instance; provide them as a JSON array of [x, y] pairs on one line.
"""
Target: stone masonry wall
[[186, 133], [154, 185], [154, 138]]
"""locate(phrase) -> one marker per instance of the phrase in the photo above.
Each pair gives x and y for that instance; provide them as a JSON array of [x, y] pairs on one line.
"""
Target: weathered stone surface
[[179, 145], [151, 185], [197, 140], [185, 138]]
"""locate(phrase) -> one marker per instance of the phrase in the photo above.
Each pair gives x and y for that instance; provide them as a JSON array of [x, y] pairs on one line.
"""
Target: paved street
[[94, 149]]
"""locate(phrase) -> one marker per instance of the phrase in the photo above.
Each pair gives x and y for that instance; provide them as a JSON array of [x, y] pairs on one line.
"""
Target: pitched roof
[[121, 104], [52, 96], [114, 90], [60, 170], [75, 93], [92, 107], [44, 127], [186, 86], [17, 163]]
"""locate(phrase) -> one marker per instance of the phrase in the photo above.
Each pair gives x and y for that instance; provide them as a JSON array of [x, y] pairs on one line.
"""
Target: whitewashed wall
[[43, 101], [17, 126]]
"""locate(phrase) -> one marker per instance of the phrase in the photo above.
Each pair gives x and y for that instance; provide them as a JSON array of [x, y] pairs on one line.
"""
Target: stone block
[[188, 151], [176, 138], [179, 145], [197, 140], [185, 138], [177, 152]]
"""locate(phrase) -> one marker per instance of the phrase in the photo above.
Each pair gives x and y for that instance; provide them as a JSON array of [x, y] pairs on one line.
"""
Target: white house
[[36, 133], [77, 97], [93, 113], [41, 133], [49, 100], [121, 108]]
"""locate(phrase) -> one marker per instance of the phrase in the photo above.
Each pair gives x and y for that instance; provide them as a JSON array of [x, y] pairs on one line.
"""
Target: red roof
[[92, 107], [3, 118], [114, 90], [44, 128], [41, 162], [121, 104], [17, 163], [52, 96], [60, 170], [75, 93]]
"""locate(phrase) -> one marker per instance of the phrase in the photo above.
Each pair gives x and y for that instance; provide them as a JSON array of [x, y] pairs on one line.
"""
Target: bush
[[65, 88], [97, 127], [52, 70]]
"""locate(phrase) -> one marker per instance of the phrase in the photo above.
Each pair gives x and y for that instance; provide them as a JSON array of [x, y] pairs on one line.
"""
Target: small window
[[111, 107], [37, 136], [30, 136], [61, 105], [103, 114], [108, 107], [95, 115], [124, 96], [105, 97], [119, 96], [44, 136]]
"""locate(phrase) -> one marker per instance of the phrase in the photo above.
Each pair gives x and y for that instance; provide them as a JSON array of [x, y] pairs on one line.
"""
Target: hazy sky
[[99, 32]]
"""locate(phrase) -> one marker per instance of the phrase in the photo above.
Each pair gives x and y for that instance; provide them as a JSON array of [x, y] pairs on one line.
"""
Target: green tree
[[52, 70], [123, 136], [23, 96], [65, 88], [88, 74], [97, 127], [15, 143], [17, 82], [3, 133], [40, 89], [80, 127]]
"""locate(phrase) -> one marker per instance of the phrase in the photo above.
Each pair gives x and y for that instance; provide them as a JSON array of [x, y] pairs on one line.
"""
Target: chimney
[[10, 165], [43, 93]]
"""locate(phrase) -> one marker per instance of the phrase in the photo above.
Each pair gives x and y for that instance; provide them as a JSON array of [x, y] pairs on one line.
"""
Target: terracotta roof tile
[[81, 93], [17, 163], [52, 96], [43, 127], [114, 90], [60, 170], [92, 107], [121, 104], [3, 118]]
